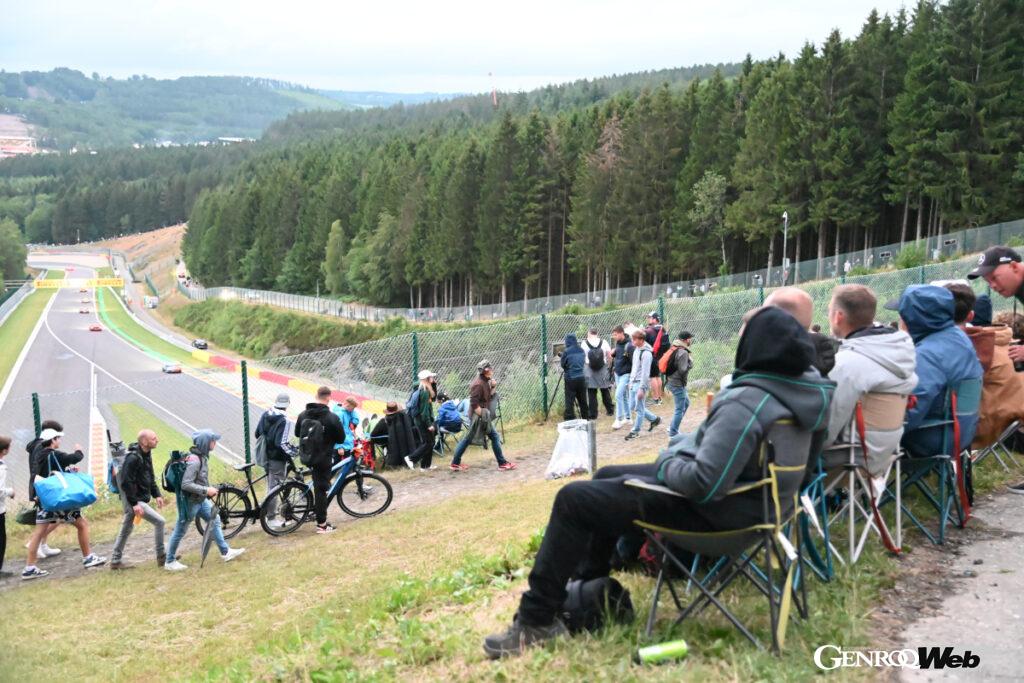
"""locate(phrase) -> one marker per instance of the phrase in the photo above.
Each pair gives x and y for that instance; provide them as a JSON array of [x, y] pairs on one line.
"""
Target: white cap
[[426, 374], [48, 434]]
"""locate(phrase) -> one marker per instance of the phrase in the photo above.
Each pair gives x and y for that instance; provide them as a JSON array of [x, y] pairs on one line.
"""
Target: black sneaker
[[1017, 488], [519, 636], [655, 423], [632, 435]]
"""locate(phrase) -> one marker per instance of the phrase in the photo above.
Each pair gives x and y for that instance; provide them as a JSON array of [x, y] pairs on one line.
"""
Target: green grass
[[15, 331], [117, 319], [54, 275]]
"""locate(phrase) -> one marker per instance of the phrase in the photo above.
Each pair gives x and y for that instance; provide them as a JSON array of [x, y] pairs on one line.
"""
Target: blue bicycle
[[359, 492]]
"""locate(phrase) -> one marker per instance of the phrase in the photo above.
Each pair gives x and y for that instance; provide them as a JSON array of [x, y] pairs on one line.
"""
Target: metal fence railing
[[936, 248], [12, 299]]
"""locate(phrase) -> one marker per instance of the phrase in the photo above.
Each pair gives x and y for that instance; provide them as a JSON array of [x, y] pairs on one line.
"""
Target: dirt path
[[412, 489]]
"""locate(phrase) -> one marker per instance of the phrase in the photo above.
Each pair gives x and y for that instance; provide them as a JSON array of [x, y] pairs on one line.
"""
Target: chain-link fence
[[935, 248]]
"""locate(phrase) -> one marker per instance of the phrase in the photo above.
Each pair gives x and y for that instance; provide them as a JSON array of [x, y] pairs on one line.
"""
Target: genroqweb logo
[[829, 657]]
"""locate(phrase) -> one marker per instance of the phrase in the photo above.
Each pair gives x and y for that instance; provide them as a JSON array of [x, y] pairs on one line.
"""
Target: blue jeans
[[495, 444], [623, 399], [682, 401], [641, 407], [203, 510]]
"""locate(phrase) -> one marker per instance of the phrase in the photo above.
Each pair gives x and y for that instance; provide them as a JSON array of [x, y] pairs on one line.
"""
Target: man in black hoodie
[[774, 380], [138, 488], [323, 459]]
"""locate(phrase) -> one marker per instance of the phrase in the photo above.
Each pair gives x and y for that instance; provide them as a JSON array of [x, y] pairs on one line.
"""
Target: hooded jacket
[[875, 359], [945, 357], [196, 479], [573, 358], [678, 378], [640, 374], [333, 431], [774, 380], [137, 478], [1002, 393], [600, 378], [349, 420], [273, 425], [622, 357], [41, 462]]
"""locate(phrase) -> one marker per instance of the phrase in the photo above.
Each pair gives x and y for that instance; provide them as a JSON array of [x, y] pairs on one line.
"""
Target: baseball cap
[[992, 258], [685, 335], [48, 434], [282, 401], [654, 314], [426, 374], [483, 365]]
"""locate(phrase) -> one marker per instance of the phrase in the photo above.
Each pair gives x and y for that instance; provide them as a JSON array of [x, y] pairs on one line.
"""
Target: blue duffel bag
[[64, 491]]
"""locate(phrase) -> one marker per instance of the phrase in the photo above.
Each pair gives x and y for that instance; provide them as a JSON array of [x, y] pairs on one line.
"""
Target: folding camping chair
[[950, 496], [865, 474], [774, 537], [1000, 445], [443, 434]]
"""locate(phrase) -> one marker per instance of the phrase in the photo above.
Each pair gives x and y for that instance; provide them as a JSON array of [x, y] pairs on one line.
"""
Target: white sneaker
[[93, 560], [616, 425], [175, 566], [232, 553], [408, 462], [47, 551]]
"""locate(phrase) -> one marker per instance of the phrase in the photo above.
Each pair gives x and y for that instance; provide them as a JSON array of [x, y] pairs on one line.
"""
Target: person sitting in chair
[[773, 380]]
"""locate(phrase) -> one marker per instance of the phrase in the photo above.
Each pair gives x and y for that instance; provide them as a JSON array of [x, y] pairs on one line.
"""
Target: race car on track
[[199, 343], [83, 290], [83, 310], [171, 368], [86, 300], [95, 327]]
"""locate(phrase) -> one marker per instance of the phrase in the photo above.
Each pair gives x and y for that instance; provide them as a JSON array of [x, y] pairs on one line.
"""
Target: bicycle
[[349, 489], [238, 506]]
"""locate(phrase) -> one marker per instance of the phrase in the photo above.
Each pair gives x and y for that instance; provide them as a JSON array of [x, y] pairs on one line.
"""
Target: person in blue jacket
[[573, 361], [945, 357], [346, 412]]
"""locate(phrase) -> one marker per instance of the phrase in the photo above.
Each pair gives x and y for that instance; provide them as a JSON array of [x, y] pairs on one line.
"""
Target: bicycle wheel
[[364, 495], [235, 511], [294, 505]]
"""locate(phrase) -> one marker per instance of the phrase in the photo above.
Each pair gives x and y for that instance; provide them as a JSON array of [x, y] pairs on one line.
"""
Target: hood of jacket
[[926, 309], [317, 411], [773, 341], [201, 441], [571, 341], [892, 349]]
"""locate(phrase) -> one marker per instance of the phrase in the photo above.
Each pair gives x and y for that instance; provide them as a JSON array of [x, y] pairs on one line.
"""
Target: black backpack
[[311, 441], [595, 356], [588, 602]]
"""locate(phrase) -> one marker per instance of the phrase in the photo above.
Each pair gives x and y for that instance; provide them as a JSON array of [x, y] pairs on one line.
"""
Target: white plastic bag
[[572, 451]]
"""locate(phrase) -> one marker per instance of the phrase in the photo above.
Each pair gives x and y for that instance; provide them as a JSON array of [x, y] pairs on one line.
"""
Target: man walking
[[656, 336], [481, 395], [622, 364], [138, 488], [640, 384], [273, 428], [574, 361], [676, 379], [596, 372], [318, 430]]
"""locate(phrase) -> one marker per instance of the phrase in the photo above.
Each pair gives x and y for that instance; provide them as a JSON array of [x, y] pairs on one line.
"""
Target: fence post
[[544, 362], [37, 419], [921, 277], [245, 411], [760, 296], [661, 309], [415, 358]]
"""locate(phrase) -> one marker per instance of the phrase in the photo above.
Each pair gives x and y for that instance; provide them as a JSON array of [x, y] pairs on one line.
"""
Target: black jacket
[[137, 478], [824, 352], [271, 425], [622, 358], [333, 431], [402, 437], [40, 463]]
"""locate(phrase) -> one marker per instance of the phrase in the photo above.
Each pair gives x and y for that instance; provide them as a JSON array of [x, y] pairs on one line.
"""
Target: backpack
[[259, 451], [412, 406], [668, 363], [587, 603], [174, 473], [595, 356], [114, 465], [656, 346], [448, 417], [311, 442]]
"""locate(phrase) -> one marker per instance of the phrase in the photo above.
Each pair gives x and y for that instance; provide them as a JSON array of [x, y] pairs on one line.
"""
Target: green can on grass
[[662, 652]]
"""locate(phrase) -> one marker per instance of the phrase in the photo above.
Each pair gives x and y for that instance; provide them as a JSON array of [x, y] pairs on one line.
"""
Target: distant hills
[[370, 99]]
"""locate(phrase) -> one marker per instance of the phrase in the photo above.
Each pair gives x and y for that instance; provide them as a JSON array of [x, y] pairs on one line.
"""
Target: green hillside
[[69, 109]]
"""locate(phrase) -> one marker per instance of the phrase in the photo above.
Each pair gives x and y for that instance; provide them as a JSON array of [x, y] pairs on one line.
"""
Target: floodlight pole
[[785, 231]]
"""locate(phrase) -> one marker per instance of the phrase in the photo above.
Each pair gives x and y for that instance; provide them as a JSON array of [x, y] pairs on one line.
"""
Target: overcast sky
[[440, 46]]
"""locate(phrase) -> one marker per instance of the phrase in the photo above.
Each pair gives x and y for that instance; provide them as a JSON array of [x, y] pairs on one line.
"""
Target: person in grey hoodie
[[871, 358], [640, 384], [773, 381], [195, 486]]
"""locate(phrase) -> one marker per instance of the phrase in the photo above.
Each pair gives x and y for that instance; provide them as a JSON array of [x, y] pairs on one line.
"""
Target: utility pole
[[785, 259]]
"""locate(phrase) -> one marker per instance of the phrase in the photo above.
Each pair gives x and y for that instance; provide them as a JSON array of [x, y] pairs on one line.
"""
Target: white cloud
[[411, 46]]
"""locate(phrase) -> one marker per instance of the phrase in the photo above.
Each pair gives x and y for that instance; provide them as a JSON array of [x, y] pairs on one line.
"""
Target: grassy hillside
[[69, 109]]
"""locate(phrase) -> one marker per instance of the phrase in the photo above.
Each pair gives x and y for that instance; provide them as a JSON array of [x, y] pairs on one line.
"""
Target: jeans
[[3, 537], [495, 444], [148, 514], [682, 403], [201, 510], [321, 483], [623, 399], [276, 471], [575, 395], [587, 519], [606, 398], [641, 407]]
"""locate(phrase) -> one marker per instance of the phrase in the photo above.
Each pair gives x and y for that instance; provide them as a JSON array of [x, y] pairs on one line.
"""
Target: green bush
[[911, 256]]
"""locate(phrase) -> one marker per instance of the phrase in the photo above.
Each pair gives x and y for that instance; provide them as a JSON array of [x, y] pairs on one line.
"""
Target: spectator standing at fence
[[622, 364], [574, 361], [6, 491], [640, 384], [481, 397], [423, 421], [656, 336], [597, 371], [349, 417], [320, 442], [676, 380], [195, 486], [273, 428], [49, 458], [138, 487]]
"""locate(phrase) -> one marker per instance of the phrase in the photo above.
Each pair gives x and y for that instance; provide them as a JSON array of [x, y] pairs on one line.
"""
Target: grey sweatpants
[[148, 514], [276, 471]]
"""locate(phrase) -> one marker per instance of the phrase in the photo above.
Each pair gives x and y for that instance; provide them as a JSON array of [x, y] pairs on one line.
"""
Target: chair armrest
[[657, 488]]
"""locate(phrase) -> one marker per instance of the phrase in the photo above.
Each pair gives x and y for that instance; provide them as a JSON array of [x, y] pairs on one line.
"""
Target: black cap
[[982, 311], [685, 335], [654, 314], [992, 259]]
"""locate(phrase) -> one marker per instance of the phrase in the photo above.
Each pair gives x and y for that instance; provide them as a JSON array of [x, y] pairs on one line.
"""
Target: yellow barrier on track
[[88, 283]]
